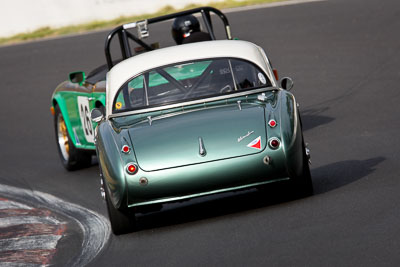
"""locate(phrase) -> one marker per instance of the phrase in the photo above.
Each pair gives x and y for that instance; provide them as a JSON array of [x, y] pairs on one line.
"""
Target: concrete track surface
[[344, 56]]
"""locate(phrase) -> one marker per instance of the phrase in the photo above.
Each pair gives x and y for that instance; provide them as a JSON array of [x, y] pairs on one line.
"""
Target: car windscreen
[[189, 81]]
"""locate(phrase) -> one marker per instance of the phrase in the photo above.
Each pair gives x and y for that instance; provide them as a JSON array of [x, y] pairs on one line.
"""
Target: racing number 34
[[84, 113]]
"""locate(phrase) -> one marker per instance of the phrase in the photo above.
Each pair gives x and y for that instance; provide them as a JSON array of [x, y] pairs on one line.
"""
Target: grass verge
[[98, 25]]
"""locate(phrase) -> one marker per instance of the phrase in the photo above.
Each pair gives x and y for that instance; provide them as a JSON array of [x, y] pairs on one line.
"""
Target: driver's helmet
[[183, 26]]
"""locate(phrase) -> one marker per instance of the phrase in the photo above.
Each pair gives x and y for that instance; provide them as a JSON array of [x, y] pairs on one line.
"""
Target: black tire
[[122, 222], [71, 157], [302, 184]]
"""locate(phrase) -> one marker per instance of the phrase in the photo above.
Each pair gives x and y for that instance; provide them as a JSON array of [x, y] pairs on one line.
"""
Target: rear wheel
[[71, 157], [302, 184], [122, 222]]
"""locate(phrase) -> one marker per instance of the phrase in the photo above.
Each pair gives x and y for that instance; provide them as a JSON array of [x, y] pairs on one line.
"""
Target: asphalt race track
[[344, 56]]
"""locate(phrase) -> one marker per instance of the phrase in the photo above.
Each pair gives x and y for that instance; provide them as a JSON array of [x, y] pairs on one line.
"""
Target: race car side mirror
[[97, 115], [286, 83], [77, 77]]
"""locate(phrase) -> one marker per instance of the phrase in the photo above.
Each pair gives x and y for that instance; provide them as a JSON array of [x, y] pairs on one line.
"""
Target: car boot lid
[[199, 136]]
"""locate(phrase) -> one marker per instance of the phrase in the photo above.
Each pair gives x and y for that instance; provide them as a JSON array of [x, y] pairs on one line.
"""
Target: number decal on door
[[84, 113]]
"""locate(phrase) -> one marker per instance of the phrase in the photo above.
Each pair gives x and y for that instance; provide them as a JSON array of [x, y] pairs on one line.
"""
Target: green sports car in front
[[194, 120], [72, 103]]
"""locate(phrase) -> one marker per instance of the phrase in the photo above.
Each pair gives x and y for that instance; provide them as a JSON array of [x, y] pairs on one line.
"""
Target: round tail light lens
[[131, 168], [272, 123], [274, 143], [126, 149]]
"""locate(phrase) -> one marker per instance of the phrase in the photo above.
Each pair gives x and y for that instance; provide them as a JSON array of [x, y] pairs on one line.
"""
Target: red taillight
[[274, 143], [276, 74], [272, 123], [131, 168], [126, 149]]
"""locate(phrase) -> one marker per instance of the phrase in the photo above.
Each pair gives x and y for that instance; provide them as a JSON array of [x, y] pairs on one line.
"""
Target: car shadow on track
[[312, 118], [338, 174], [213, 206], [325, 179]]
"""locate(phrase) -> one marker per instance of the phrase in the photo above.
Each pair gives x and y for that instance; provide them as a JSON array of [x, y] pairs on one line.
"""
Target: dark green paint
[[167, 151]]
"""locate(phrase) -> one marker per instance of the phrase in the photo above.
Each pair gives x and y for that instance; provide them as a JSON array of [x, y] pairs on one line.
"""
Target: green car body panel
[[75, 102], [166, 150]]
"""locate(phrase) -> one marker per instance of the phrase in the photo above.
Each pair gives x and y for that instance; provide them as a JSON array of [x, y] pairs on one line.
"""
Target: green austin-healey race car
[[73, 100], [191, 120]]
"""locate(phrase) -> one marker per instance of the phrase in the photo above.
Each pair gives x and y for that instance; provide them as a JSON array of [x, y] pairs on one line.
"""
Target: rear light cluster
[[131, 168], [126, 149], [274, 143], [272, 123]]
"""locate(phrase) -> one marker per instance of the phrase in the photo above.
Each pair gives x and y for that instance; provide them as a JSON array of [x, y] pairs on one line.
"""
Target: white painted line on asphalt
[[30, 242], [8, 204], [269, 5], [18, 220], [95, 227], [19, 264]]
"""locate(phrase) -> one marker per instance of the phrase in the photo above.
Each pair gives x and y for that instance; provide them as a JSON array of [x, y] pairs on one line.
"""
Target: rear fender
[[112, 162], [58, 100], [292, 135]]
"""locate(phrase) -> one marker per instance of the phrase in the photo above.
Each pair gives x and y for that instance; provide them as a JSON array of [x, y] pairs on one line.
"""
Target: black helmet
[[183, 27]]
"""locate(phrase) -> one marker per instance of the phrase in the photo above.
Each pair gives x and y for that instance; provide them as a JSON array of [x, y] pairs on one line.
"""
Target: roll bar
[[142, 31]]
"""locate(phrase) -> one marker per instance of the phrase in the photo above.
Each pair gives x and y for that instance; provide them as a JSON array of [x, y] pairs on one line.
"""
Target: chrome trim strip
[[233, 76], [202, 150], [146, 92], [239, 104], [295, 122], [172, 199], [194, 102]]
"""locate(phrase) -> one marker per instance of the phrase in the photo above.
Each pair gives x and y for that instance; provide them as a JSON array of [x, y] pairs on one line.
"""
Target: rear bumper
[[185, 197], [208, 178]]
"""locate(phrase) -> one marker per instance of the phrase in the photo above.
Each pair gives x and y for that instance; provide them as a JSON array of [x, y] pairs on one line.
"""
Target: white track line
[[30, 242], [8, 204], [95, 227], [18, 220], [18, 264]]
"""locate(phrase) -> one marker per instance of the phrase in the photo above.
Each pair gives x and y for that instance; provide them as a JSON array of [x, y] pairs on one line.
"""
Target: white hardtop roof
[[133, 66]]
